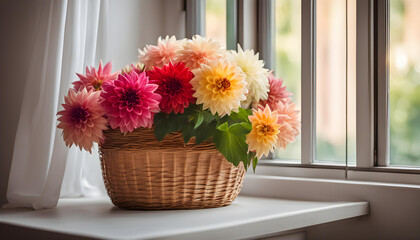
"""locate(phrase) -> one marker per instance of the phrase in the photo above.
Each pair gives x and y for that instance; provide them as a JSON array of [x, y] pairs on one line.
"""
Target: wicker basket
[[141, 173]]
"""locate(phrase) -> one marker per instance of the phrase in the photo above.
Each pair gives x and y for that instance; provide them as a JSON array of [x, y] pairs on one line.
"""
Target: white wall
[[16, 45], [132, 24]]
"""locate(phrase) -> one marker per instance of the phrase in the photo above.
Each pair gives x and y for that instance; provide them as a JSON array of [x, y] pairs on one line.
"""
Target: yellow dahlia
[[256, 74], [199, 50], [263, 136], [220, 86]]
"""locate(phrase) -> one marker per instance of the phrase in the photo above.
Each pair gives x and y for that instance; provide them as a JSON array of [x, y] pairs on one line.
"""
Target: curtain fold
[[83, 174], [66, 41]]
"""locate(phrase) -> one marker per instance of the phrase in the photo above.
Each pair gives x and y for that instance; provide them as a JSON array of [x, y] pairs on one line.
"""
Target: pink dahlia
[[174, 86], [94, 79], [156, 56], [289, 123], [130, 101], [82, 119], [199, 50], [277, 92]]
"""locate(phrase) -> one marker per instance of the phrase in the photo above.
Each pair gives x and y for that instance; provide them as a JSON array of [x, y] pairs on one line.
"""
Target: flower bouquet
[[179, 128]]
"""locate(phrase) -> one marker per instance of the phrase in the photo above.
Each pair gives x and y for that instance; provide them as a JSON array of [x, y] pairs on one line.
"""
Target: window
[[348, 86], [334, 27], [340, 58]]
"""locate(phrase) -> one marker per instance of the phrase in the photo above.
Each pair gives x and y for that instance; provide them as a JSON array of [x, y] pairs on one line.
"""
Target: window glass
[[288, 60], [404, 82], [216, 20], [331, 91]]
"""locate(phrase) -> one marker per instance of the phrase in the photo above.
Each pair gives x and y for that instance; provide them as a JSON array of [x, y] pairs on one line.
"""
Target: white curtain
[[71, 35]]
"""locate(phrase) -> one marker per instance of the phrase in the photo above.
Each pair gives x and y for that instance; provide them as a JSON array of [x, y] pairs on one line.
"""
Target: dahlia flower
[[82, 119], [94, 79], [263, 136], [289, 123], [130, 101], [138, 68], [219, 86], [199, 51], [256, 74], [276, 93], [174, 86], [165, 52]]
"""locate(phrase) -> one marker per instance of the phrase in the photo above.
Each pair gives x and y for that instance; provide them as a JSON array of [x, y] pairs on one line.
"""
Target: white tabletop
[[246, 217]]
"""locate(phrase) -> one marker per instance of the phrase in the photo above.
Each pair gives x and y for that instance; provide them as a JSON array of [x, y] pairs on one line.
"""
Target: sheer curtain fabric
[[70, 36]]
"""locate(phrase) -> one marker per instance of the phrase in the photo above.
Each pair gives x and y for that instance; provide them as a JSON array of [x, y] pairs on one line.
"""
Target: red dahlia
[[174, 86]]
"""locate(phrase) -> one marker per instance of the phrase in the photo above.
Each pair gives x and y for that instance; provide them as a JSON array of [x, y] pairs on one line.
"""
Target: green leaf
[[167, 123], [247, 162], [191, 109], [237, 117], [252, 156], [187, 132], [204, 132], [223, 127], [200, 119], [230, 141], [240, 128], [208, 117], [247, 125], [254, 163], [241, 116]]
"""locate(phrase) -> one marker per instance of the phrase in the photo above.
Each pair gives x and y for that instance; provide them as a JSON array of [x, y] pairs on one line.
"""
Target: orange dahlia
[[263, 137], [94, 79], [82, 119], [174, 86]]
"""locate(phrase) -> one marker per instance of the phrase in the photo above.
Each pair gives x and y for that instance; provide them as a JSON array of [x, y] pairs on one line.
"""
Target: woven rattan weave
[[142, 173]]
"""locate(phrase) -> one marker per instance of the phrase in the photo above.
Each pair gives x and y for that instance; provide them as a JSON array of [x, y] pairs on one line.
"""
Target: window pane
[[288, 64], [404, 82], [331, 114], [216, 20]]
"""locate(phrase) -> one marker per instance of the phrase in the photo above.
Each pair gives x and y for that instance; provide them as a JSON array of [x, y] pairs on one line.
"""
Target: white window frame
[[256, 18]]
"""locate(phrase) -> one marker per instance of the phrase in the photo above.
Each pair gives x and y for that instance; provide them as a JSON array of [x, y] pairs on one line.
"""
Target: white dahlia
[[256, 75]]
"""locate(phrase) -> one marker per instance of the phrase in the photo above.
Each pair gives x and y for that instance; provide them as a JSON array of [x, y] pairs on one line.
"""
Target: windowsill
[[247, 217], [342, 166], [385, 175]]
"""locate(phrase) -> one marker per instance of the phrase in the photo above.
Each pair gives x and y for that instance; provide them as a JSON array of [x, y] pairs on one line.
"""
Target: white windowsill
[[383, 175], [247, 217]]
